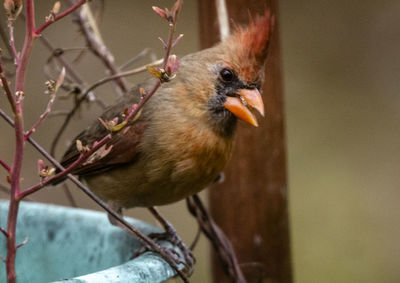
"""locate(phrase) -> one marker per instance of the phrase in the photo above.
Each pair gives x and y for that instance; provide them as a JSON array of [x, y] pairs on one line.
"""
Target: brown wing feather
[[124, 143], [124, 149]]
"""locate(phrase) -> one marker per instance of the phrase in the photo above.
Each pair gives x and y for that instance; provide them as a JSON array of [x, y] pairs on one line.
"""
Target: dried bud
[[53, 12], [172, 64], [80, 147], [19, 96], [112, 125], [13, 8], [160, 12], [56, 8], [98, 154], [176, 9], [41, 165], [44, 170], [142, 92], [51, 87]]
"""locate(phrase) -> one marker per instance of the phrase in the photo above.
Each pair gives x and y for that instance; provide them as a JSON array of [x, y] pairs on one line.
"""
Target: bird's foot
[[172, 237]]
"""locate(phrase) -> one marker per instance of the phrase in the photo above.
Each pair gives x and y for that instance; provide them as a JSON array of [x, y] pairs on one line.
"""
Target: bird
[[184, 135]]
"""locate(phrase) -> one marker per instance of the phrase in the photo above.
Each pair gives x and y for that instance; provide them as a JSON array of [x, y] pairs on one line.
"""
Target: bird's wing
[[122, 148]]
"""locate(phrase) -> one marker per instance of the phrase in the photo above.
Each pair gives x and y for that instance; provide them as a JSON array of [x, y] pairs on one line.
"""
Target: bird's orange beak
[[238, 105]]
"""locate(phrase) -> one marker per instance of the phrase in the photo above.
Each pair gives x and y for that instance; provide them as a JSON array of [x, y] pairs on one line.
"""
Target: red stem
[[5, 165], [19, 143], [59, 17], [163, 66]]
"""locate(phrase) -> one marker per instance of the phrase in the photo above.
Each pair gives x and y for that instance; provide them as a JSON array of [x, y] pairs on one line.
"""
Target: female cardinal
[[184, 135]]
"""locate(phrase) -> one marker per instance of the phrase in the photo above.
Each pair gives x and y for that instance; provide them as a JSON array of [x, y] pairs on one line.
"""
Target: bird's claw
[[174, 239]]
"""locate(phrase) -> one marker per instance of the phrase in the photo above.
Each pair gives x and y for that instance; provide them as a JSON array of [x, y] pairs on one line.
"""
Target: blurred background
[[341, 79]]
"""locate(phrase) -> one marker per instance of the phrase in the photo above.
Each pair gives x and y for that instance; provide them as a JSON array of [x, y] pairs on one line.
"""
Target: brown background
[[341, 79]]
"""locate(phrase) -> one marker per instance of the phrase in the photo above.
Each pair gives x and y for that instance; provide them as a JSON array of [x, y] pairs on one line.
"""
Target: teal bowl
[[79, 244]]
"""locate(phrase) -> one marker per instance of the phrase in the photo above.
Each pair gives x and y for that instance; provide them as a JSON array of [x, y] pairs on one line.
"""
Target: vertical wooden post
[[251, 205]]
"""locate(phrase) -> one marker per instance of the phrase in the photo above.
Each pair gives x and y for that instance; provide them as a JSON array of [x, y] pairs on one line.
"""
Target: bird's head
[[240, 71], [227, 77]]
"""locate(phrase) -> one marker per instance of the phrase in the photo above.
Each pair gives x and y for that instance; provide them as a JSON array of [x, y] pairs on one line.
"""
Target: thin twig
[[218, 239], [52, 87], [135, 58], [119, 75], [91, 32], [7, 191], [12, 42], [56, 113], [59, 16], [70, 70], [5, 39], [84, 96], [5, 235], [6, 86], [5, 166]]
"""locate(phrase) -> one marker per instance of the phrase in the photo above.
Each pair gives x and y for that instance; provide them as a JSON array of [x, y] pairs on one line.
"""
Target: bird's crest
[[249, 46]]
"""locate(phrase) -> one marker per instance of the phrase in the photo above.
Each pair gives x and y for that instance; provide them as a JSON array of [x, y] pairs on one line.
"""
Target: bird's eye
[[227, 75]]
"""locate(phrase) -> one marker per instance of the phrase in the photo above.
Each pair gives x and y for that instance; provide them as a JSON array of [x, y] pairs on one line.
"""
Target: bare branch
[[70, 70], [135, 58], [5, 166], [23, 242], [6, 86], [55, 18], [53, 91], [4, 233], [218, 239], [5, 39], [84, 96], [95, 43], [12, 42]]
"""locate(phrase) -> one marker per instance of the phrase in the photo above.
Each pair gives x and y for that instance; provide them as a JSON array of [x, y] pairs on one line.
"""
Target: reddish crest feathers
[[248, 46]]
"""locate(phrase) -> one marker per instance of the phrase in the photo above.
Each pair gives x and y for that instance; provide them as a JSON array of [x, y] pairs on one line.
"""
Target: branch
[[12, 42], [54, 18], [119, 75], [4, 233], [135, 58], [5, 166], [91, 32], [79, 101], [6, 87], [70, 70], [218, 239], [7, 191], [52, 88], [172, 19], [5, 39]]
